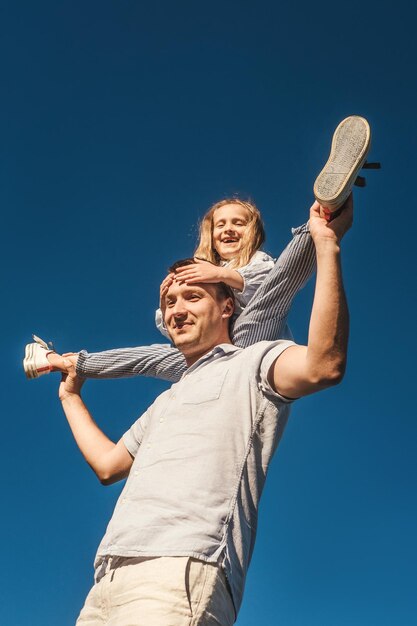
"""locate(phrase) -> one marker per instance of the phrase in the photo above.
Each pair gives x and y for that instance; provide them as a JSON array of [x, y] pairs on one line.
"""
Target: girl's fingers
[[200, 279], [187, 275], [163, 292], [167, 282], [195, 279], [195, 276], [181, 270]]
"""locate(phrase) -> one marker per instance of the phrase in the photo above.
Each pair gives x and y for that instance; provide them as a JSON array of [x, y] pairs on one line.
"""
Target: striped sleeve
[[265, 317]]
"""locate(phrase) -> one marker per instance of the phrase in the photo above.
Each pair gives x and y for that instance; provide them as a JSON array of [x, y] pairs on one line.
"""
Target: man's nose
[[179, 310]]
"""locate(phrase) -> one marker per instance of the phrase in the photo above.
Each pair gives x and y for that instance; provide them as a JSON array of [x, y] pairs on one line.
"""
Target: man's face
[[195, 318]]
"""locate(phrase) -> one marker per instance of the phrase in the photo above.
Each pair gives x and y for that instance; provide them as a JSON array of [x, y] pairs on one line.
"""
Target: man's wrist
[[70, 397], [326, 245]]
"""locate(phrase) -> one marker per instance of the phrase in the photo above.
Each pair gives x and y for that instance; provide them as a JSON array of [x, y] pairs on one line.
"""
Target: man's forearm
[[92, 442], [302, 370], [329, 322]]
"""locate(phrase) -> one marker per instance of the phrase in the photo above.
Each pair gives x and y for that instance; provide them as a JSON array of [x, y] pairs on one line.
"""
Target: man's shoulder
[[263, 347], [253, 365], [255, 355]]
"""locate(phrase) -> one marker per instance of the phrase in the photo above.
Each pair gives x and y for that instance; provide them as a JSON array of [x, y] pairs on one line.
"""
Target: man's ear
[[228, 308]]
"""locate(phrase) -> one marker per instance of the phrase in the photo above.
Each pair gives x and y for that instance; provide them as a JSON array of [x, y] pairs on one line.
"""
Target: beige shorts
[[163, 591]]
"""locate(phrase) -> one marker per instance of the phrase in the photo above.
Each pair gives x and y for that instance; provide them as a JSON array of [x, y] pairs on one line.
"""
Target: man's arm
[[110, 461], [302, 370]]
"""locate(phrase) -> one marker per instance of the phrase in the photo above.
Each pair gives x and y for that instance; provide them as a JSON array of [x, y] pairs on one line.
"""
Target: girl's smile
[[229, 226]]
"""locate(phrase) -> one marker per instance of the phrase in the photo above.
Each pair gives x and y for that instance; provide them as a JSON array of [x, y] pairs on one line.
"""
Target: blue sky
[[121, 123]]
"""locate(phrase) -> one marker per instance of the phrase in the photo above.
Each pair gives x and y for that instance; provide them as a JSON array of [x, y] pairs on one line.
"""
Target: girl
[[231, 234]]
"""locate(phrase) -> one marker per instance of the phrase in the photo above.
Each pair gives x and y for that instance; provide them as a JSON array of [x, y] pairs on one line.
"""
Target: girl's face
[[229, 224]]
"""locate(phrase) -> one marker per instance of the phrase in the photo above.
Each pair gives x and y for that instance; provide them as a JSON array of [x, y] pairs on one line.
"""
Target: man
[[178, 546]]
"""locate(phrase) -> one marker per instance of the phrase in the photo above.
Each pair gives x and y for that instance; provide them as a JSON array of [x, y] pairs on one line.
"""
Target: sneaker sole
[[350, 146], [29, 363]]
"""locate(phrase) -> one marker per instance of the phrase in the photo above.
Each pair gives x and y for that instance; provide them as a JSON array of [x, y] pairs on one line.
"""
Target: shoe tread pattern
[[350, 145]]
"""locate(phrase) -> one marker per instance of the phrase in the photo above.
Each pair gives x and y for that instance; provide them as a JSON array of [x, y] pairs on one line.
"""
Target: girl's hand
[[199, 272], [163, 290]]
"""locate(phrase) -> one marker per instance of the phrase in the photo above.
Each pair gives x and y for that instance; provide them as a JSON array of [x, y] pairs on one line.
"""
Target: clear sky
[[121, 122]]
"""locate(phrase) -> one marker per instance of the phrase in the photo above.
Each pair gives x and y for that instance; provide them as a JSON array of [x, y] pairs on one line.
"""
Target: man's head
[[196, 316]]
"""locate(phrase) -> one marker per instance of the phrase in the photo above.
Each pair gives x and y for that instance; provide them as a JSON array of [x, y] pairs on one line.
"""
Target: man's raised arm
[[110, 461], [302, 370]]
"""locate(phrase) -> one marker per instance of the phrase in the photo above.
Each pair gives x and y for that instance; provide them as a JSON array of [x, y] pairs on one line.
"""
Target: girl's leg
[[265, 317], [158, 360]]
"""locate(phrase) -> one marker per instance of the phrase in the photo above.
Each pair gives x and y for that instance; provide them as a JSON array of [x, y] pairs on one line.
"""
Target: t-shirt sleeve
[[269, 357], [133, 437]]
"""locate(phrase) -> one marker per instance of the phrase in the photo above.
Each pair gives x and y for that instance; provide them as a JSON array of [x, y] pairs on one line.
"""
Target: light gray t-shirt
[[202, 452]]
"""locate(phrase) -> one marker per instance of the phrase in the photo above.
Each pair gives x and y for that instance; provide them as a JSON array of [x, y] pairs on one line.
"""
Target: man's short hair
[[223, 291]]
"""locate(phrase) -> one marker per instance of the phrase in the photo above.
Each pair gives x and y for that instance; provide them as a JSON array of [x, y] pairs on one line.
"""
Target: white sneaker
[[350, 145], [35, 362]]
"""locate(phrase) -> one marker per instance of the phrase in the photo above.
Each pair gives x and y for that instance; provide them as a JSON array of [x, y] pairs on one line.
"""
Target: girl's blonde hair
[[253, 237]]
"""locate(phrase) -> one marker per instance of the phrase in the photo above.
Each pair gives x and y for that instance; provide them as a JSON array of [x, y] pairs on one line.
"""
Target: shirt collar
[[216, 352]]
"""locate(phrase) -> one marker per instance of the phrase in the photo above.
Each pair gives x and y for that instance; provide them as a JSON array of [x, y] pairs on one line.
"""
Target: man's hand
[[70, 383], [321, 229]]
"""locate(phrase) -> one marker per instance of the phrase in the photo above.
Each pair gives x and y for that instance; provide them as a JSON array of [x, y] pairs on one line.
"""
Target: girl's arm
[[253, 275], [264, 318]]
